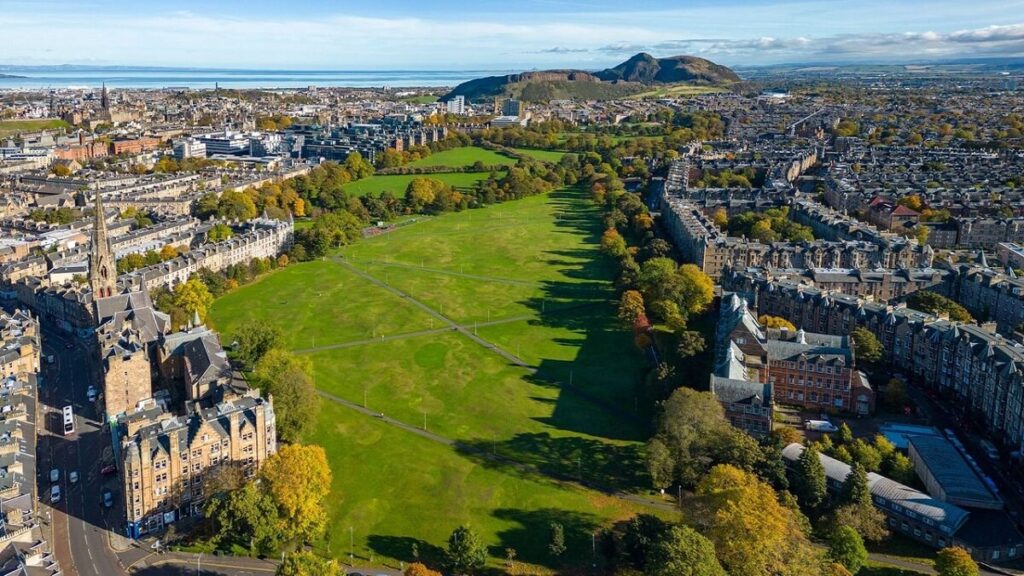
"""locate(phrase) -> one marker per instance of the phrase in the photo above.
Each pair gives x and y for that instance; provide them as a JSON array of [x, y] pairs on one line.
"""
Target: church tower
[[105, 98], [102, 274]]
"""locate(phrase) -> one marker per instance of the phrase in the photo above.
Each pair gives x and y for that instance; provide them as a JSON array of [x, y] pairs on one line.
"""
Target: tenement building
[[979, 371], [701, 242]]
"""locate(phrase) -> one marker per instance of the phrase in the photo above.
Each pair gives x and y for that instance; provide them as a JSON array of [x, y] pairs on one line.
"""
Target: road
[[80, 523]]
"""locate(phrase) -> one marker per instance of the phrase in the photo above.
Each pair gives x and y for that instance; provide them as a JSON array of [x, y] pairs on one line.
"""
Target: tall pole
[[199, 560], [351, 545]]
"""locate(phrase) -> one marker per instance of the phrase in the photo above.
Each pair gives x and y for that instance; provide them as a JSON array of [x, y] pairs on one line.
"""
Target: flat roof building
[[947, 475]]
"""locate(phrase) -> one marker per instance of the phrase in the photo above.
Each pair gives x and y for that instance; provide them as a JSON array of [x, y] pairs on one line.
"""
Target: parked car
[[55, 493], [108, 469], [73, 476], [54, 475], [91, 393], [108, 499], [821, 426]]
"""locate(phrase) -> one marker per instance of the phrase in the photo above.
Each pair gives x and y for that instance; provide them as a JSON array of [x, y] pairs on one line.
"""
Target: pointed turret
[[102, 274]]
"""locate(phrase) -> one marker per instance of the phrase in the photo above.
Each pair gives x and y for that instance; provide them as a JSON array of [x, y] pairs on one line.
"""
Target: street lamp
[[199, 560]]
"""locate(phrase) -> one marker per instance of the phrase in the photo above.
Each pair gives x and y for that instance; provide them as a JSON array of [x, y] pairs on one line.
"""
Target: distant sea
[[145, 77]]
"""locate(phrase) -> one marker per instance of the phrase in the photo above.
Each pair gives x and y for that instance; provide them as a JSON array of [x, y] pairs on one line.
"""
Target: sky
[[499, 35]]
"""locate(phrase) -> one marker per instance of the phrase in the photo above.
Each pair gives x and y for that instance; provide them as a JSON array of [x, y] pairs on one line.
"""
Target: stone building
[[979, 372]]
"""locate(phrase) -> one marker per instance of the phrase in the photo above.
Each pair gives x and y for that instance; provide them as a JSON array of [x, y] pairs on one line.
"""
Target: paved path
[[471, 334], [404, 335], [495, 279]]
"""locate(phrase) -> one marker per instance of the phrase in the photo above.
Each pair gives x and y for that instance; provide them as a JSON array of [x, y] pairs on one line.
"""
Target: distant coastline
[[142, 77]]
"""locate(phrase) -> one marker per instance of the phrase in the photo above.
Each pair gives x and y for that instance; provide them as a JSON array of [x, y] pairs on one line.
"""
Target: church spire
[[102, 275], [105, 98]]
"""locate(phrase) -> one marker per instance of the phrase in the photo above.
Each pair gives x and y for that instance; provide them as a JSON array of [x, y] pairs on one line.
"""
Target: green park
[[472, 372]]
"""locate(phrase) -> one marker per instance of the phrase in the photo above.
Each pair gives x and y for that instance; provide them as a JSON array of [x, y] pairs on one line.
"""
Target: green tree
[[683, 552], [247, 515], [691, 343], [254, 338], [807, 479], [845, 435], [846, 548], [855, 487], [933, 303], [866, 345], [288, 378], [193, 297], [955, 561], [867, 520], [306, 563], [642, 533], [687, 441], [556, 546], [465, 553], [219, 232], [235, 205]]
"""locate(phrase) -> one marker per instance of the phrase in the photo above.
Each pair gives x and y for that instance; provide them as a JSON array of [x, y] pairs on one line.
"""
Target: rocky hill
[[633, 76]]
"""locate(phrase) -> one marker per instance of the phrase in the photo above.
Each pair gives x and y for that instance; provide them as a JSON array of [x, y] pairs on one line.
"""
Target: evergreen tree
[[807, 480], [465, 552], [855, 487]]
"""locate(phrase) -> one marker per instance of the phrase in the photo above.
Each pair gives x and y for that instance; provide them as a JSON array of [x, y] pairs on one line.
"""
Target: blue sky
[[498, 35]]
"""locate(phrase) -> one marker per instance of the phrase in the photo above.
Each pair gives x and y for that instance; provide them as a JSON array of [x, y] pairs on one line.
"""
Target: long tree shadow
[[407, 549], [600, 465], [531, 539]]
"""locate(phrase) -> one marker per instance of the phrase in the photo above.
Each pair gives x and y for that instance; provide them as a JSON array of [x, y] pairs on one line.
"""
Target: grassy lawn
[[528, 277], [421, 99], [303, 300], [464, 156], [871, 568], [8, 127], [552, 156], [679, 90], [393, 490], [397, 183]]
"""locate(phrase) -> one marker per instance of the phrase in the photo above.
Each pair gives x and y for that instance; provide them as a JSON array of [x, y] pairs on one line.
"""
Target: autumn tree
[[193, 297], [753, 534], [683, 552], [306, 563], [867, 520], [696, 289], [168, 252], [775, 322], [419, 569], [955, 561], [299, 479], [866, 345], [847, 548], [631, 309], [465, 553]]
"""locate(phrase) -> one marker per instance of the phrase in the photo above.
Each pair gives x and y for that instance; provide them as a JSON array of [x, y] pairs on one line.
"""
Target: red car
[[108, 469]]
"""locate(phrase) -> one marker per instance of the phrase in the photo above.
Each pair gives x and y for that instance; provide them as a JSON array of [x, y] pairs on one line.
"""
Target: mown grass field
[[543, 155], [463, 156], [526, 276], [399, 182], [11, 127]]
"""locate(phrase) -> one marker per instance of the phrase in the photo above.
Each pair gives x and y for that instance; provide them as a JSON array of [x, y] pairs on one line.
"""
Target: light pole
[[199, 561], [351, 545]]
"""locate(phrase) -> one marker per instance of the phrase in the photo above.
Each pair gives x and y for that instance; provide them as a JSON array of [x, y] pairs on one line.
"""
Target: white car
[[91, 393], [54, 475], [73, 476], [55, 493]]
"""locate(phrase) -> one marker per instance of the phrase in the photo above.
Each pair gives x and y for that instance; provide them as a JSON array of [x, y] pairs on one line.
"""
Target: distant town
[[664, 318]]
